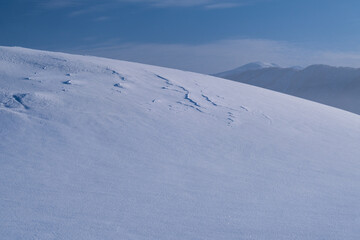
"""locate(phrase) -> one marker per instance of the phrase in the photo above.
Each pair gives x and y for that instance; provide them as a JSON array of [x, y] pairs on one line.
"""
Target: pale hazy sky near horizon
[[206, 36]]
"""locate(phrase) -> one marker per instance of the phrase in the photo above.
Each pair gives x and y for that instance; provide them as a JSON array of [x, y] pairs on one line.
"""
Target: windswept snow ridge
[[132, 151]]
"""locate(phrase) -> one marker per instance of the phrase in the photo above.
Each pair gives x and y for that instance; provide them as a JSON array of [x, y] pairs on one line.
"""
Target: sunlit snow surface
[[94, 148]]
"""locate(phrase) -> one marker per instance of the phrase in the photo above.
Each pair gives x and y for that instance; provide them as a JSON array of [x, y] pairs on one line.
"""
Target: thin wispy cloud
[[222, 55], [170, 3], [206, 4], [89, 9], [56, 4], [223, 5], [102, 19]]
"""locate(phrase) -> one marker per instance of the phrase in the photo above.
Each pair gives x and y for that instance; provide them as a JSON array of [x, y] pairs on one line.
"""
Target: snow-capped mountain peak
[[248, 67], [257, 65]]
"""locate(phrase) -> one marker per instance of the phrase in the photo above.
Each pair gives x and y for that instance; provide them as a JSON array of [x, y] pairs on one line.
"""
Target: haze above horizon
[[205, 36]]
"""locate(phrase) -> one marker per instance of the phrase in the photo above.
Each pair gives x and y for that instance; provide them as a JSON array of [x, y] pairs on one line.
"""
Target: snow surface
[[94, 148], [335, 86]]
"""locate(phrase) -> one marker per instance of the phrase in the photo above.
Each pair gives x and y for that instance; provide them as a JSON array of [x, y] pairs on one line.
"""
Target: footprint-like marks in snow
[[230, 118]]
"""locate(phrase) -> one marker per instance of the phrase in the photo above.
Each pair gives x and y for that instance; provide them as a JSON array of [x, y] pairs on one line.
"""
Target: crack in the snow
[[191, 106], [209, 100], [231, 113], [186, 92]]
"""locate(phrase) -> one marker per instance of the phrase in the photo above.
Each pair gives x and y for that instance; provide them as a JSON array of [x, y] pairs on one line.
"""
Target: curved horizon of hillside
[[94, 148], [334, 86]]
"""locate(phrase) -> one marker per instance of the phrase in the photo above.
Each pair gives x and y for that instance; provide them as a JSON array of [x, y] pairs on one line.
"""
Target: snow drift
[[94, 148]]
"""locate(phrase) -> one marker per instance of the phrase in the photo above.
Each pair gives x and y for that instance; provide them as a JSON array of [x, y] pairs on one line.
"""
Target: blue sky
[[198, 35]]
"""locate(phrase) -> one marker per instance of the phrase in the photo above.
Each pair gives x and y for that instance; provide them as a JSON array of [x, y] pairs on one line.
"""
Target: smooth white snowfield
[[94, 148]]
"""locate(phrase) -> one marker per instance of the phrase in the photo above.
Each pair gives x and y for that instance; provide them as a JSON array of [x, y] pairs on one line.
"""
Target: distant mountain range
[[248, 67], [335, 86]]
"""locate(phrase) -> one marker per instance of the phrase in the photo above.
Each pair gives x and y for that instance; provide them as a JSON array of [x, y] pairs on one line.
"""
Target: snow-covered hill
[[334, 86], [94, 148]]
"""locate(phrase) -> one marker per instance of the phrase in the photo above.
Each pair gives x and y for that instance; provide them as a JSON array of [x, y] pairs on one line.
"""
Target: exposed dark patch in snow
[[67, 82], [121, 77], [118, 85], [19, 98]]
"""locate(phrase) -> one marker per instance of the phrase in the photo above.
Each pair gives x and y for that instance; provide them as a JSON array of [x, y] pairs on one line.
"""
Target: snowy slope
[[94, 148], [334, 86]]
